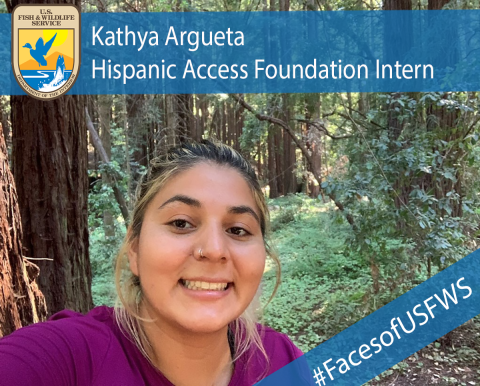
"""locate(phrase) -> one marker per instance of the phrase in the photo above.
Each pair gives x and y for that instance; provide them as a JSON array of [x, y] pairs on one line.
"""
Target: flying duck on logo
[[48, 69], [40, 50]]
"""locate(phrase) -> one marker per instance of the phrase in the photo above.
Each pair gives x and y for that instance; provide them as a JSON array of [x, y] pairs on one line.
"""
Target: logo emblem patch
[[46, 48]]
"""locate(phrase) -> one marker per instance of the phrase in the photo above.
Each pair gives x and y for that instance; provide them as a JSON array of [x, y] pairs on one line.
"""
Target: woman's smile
[[205, 290], [205, 285]]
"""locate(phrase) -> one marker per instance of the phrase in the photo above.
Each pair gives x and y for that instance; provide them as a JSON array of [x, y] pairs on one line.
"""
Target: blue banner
[[392, 333], [258, 52]]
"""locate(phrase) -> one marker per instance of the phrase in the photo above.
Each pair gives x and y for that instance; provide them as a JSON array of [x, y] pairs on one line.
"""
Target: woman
[[187, 278]]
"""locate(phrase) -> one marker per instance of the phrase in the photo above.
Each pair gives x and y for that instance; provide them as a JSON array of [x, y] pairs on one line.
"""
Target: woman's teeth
[[204, 286]]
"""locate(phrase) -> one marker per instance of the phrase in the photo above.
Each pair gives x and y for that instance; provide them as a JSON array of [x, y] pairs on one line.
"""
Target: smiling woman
[[187, 276]]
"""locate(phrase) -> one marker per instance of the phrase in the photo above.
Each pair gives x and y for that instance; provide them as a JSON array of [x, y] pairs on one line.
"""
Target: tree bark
[[184, 111], [279, 167], [4, 118], [137, 132], [50, 169], [21, 302], [104, 112], [394, 52], [290, 183], [272, 177], [223, 121], [314, 143]]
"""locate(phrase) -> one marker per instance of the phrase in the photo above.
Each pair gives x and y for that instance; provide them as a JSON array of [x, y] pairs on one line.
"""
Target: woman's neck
[[190, 359]]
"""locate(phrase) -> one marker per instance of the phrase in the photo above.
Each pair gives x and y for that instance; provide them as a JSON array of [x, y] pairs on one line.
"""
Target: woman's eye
[[237, 231], [181, 224]]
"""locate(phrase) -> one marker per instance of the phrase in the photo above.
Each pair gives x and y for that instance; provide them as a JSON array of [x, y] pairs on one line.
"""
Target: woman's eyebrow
[[240, 209], [181, 198], [244, 209]]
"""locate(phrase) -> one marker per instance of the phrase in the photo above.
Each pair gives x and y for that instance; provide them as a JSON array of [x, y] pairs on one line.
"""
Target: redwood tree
[[21, 302], [50, 169]]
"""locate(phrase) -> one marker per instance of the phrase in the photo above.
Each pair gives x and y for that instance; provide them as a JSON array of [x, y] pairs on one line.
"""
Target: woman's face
[[208, 208]]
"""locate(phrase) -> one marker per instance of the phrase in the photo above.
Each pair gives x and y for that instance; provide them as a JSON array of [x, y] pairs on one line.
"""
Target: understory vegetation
[[326, 285]]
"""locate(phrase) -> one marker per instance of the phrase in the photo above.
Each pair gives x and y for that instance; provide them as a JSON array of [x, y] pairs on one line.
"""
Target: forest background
[[370, 194]]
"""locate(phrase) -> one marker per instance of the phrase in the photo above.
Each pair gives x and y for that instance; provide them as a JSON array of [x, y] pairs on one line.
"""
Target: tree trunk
[[171, 123], [223, 120], [4, 118], [259, 163], [239, 119], [394, 52], [279, 167], [446, 122], [272, 176], [104, 111], [112, 178], [93, 158], [137, 131], [289, 161], [21, 302], [50, 169], [314, 142], [184, 111]]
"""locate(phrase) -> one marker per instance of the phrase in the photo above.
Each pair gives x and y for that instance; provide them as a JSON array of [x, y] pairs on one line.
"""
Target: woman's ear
[[133, 256]]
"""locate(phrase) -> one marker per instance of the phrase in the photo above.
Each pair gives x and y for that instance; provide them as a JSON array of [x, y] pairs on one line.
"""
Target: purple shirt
[[73, 349]]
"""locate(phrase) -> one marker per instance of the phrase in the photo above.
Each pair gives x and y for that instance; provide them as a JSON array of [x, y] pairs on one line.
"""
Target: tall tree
[[4, 117], [50, 169], [21, 302], [403, 26], [104, 113]]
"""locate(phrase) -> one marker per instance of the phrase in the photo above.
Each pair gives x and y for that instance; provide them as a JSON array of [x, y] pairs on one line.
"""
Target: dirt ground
[[453, 359]]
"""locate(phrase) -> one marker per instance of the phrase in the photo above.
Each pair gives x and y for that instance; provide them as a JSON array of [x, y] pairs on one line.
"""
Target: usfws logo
[[46, 48]]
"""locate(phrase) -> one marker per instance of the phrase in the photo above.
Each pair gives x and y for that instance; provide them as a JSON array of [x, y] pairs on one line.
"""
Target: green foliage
[[103, 248], [407, 194], [103, 251], [322, 288]]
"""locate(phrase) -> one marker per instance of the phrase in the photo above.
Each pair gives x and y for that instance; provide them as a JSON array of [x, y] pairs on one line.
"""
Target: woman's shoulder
[[278, 346], [68, 347], [253, 366], [95, 327], [92, 331], [100, 320]]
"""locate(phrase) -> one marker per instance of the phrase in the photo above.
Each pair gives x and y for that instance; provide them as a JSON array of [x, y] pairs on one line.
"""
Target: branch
[[350, 118], [102, 7], [323, 129], [326, 115], [471, 127], [134, 9], [97, 144], [363, 116], [300, 145], [275, 121]]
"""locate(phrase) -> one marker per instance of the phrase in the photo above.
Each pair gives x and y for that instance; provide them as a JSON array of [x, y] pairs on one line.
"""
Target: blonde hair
[[129, 294]]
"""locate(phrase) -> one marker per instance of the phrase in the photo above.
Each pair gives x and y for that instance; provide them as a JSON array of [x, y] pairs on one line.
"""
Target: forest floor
[[453, 359]]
